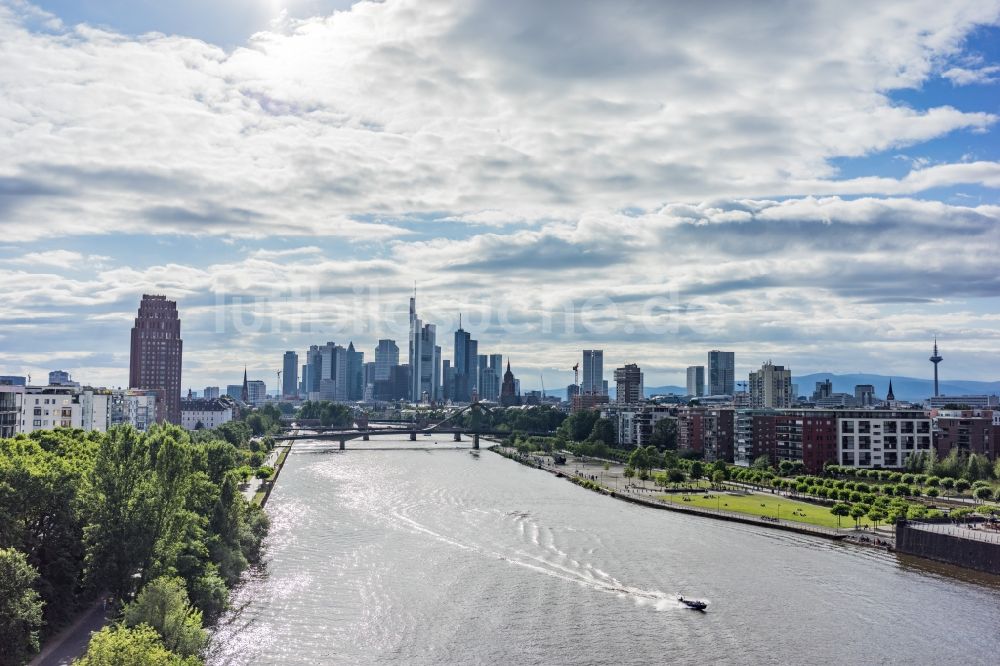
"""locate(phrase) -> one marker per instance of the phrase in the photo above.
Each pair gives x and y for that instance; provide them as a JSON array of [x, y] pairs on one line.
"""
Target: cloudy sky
[[813, 184]]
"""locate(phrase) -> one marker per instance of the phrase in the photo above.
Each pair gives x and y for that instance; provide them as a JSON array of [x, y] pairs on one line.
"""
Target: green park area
[[770, 506]]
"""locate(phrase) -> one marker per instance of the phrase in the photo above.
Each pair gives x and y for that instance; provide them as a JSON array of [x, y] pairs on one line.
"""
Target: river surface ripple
[[397, 554]]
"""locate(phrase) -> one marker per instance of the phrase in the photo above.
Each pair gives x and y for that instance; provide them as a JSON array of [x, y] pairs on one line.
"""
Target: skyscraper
[[509, 393], [466, 364], [355, 373], [314, 363], [155, 362], [696, 380], [386, 356], [628, 384], [771, 387], [721, 372], [425, 358], [290, 375], [592, 382]]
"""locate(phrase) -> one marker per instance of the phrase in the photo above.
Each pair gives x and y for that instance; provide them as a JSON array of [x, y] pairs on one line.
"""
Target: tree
[[629, 472], [265, 472], [697, 470], [762, 463], [119, 645], [858, 512], [876, 514], [117, 537], [163, 605], [603, 431], [664, 435], [20, 608], [961, 485], [718, 477], [983, 493], [840, 510]]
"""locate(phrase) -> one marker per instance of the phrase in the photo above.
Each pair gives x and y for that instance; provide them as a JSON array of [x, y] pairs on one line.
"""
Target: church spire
[[246, 387], [890, 396]]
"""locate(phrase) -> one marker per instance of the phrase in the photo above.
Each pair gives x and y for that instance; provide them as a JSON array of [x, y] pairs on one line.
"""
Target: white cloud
[[961, 76], [398, 108]]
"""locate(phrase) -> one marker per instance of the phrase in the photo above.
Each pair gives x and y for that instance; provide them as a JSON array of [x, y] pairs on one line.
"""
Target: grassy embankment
[[764, 505]]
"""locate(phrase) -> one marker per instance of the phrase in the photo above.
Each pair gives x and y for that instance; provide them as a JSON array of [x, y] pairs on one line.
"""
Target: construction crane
[[541, 375], [576, 374], [278, 390]]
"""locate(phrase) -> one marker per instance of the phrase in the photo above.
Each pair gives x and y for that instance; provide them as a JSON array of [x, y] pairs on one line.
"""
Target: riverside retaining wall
[[951, 549]]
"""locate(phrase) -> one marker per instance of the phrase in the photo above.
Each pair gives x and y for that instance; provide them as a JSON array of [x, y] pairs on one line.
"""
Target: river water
[[396, 555]]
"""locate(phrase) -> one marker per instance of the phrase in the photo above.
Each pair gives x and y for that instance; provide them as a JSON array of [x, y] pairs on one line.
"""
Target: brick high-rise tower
[[156, 355]]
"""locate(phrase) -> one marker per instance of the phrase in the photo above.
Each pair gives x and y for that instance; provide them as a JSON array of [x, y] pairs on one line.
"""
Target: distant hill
[[664, 390], [904, 388]]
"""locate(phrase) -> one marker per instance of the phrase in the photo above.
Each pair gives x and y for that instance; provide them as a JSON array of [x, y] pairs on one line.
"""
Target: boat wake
[[551, 561]]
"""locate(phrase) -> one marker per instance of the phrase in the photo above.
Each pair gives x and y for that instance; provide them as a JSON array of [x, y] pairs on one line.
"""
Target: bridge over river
[[448, 426]]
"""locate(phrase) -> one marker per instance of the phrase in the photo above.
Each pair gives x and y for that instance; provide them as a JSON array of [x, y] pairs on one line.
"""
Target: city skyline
[[835, 226]]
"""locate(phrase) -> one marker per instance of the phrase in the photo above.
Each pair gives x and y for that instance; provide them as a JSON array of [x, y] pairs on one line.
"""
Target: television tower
[[935, 359]]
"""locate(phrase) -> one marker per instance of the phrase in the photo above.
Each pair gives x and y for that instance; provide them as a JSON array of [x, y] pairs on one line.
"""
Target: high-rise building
[[592, 382], [824, 389], [289, 375], [386, 357], [257, 391], [61, 378], [211, 392], [10, 408], [865, 394], [509, 393], [721, 372], [155, 362], [355, 373], [628, 384], [234, 391], [696, 380], [771, 387], [447, 380], [490, 377], [425, 358], [314, 371], [466, 365], [333, 382]]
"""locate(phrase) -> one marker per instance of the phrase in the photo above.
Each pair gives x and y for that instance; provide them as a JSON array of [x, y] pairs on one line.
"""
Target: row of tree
[[329, 414], [106, 513]]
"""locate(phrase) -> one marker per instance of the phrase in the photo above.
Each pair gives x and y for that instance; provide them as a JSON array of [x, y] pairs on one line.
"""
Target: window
[[848, 426]]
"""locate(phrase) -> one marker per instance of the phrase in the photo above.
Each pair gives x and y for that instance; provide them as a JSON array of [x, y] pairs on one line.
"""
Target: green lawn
[[764, 505]]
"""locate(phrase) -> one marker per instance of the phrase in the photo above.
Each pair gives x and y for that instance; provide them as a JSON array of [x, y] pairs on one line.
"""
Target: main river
[[395, 555]]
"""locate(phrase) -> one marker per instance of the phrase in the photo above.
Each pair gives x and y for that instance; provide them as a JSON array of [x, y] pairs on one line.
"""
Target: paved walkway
[[72, 641], [977, 532], [255, 484]]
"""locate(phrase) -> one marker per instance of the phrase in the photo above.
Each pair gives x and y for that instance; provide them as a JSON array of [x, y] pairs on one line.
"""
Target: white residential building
[[206, 414], [881, 439], [49, 407]]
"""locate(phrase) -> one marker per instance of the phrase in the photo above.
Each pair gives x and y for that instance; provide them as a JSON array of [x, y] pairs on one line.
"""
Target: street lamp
[[778, 516]]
